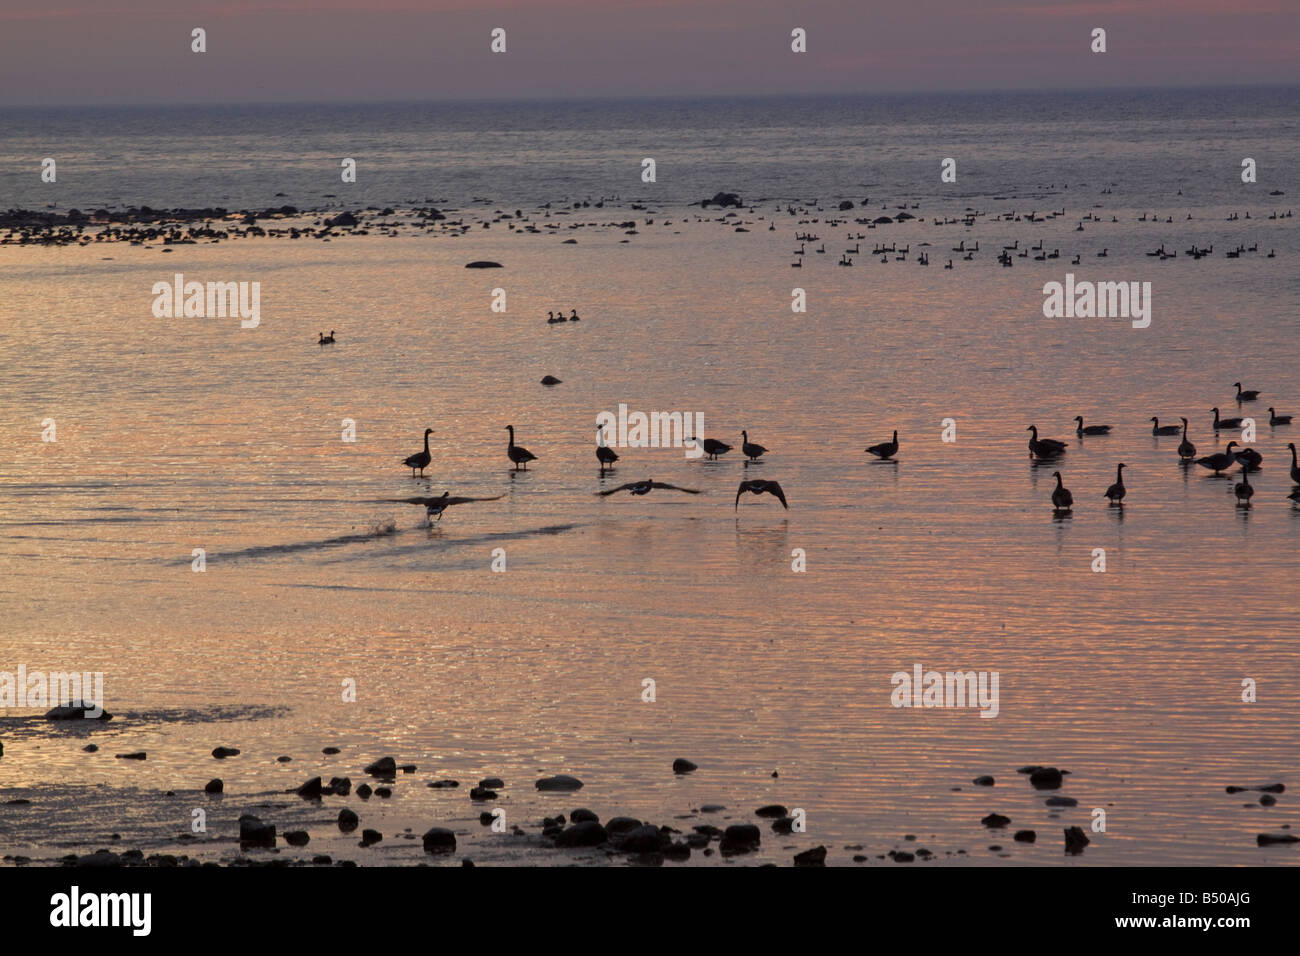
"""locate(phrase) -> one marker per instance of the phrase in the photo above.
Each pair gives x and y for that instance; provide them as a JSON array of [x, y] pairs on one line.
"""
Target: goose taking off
[[1275, 419], [1186, 450], [436, 506], [1224, 422], [1062, 500], [751, 449], [644, 487], [1082, 429], [604, 454], [420, 459], [886, 449], [1295, 468], [713, 448], [1248, 395], [1044, 447], [1158, 429], [518, 453], [1117, 491], [1219, 460], [1243, 489], [757, 487]]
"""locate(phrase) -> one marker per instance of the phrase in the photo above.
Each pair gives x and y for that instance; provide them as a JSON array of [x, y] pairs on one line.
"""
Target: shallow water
[[194, 433]]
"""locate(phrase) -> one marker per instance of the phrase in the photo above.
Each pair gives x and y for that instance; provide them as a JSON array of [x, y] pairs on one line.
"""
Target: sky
[[138, 51]]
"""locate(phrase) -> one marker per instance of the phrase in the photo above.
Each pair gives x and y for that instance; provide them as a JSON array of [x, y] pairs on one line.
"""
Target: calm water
[[175, 434]]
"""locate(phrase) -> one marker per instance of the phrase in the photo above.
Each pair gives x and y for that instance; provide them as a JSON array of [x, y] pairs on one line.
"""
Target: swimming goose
[[1224, 422], [1250, 459], [643, 488], [1062, 500], [1246, 396], [1295, 468], [326, 340], [752, 450], [420, 459], [1044, 447], [1186, 450], [886, 449], [1219, 460], [1082, 430], [713, 448], [757, 487], [1158, 429], [1242, 489], [436, 506], [604, 454], [1117, 491], [574, 317], [1275, 419], [518, 453]]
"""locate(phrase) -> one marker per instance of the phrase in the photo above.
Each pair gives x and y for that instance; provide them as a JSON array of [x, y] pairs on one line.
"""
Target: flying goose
[[1062, 500], [436, 506], [518, 453], [1186, 450], [713, 448], [886, 449], [1245, 396], [604, 454], [1275, 419], [1158, 429], [758, 486], [1219, 460], [1117, 491], [1242, 489], [1082, 430], [1044, 447], [1224, 422], [420, 459], [1295, 468], [643, 488], [752, 450]]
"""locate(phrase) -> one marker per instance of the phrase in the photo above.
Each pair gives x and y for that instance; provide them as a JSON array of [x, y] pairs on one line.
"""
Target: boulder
[[559, 782], [383, 767], [77, 710], [681, 765], [740, 838], [348, 820], [582, 833], [297, 837], [1075, 840], [439, 840], [814, 857], [253, 832], [311, 790], [214, 786]]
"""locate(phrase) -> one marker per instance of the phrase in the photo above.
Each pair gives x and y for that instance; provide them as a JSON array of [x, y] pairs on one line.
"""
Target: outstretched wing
[[661, 484], [410, 501], [775, 489], [614, 491], [460, 501], [744, 487]]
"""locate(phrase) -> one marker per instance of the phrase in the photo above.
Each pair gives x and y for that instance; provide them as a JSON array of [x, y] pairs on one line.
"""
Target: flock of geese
[[1040, 450]]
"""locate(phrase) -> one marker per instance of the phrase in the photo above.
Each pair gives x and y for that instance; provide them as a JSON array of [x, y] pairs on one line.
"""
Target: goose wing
[[614, 491], [463, 500], [774, 488], [662, 484]]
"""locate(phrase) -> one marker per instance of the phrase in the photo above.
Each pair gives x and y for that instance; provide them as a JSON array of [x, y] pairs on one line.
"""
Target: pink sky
[[138, 51]]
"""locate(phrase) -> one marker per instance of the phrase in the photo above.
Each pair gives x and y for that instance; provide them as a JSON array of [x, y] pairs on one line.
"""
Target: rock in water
[[383, 767], [740, 838], [681, 765], [370, 837], [1269, 839], [311, 790], [492, 783], [772, 810], [985, 781], [583, 815], [585, 833], [550, 380], [1075, 840], [439, 840], [297, 837], [814, 857], [1046, 778], [77, 710], [348, 820], [1025, 836], [560, 781], [253, 832], [995, 820], [644, 839], [214, 786], [483, 264], [221, 753]]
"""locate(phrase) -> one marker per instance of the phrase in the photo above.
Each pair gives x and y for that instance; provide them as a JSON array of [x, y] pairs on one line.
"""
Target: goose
[[1186, 450], [752, 451], [1224, 422], [551, 319], [420, 459], [1242, 489], [1082, 430], [758, 486], [1295, 496], [436, 506], [713, 448], [1158, 429], [1044, 447], [1250, 459], [1062, 500], [644, 487], [1117, 491], [518, 453], [1242, 396], [1295, 468], [886, 449], [326, 339], [1219, 460], [1275, 419], [604, 454]]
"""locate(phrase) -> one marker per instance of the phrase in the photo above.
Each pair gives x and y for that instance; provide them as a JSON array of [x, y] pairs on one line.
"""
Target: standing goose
[[420, 459], [752, 450], [713, 448], [1245, 396], [1295, 468], [1224, 422], [757, 487], [604, 454], [1275, 419], [518, 453], [1158, 429], [1062, 500], [886, 449], [1243, 489], [1044, 447], [1117, 491], [1186, 450], [644, 487], [1219, 460], [1081, 429], [436, 506], [1250, 459]]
